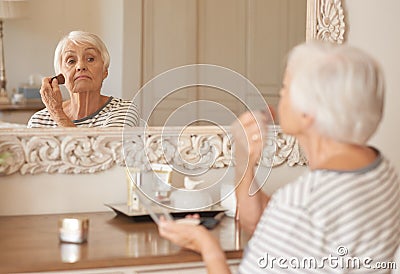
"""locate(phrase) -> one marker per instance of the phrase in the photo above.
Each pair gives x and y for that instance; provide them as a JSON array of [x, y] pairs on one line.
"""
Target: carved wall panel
[[90, 151]]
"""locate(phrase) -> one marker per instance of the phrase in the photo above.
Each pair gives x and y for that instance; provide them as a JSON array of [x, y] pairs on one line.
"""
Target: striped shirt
[[115, 113], [351, 218]]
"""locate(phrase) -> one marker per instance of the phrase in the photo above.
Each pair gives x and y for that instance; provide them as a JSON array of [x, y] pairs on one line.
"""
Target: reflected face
[[289, 117], [83, 68]]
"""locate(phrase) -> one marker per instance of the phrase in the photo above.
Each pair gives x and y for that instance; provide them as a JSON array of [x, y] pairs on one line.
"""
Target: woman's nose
[[81, 66]]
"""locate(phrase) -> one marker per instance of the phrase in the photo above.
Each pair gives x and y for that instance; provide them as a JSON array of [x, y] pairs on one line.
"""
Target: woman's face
[[289, 117], [82, 67]]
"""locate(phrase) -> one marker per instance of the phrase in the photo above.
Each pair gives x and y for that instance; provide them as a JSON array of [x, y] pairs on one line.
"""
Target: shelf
[[22, 107]]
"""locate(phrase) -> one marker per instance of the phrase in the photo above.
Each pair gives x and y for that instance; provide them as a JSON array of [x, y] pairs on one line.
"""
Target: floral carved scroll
[[89, 151]]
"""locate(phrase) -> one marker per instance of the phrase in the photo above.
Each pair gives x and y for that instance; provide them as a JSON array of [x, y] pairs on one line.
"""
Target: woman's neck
[[325, 153], [82, 105]]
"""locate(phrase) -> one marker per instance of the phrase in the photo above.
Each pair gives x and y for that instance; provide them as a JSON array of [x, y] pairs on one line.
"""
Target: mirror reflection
[[81, 62], [146, 38]]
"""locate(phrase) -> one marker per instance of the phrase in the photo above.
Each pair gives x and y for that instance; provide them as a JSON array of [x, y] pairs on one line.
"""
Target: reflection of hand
[[51, 95], [52, 99], [248, 132]]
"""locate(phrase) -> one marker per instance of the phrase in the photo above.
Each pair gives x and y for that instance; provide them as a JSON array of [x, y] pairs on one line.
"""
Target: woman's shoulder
[[297, 191], [119, 104], [316, 182], [124, 111], [119, 101], [41, 118], [40, 114], [325, 192]]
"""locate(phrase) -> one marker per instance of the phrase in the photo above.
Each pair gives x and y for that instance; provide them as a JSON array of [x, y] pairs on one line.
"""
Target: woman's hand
[[52, 99], [51, 95], [185, 235], [199, 239], [249, 131]]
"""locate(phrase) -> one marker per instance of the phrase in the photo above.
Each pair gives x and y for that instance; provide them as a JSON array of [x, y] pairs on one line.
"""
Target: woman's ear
[[105, 74]]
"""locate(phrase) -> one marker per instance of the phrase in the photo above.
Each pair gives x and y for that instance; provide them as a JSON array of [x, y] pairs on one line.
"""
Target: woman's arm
[[248, 132], [249, 207]]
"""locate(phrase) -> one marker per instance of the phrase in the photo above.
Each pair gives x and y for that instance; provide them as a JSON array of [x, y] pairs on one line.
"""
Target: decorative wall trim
[[325, 20], [81, 150]]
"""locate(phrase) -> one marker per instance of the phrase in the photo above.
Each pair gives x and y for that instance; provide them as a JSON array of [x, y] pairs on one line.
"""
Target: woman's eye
[[90, 59], [70, 61]]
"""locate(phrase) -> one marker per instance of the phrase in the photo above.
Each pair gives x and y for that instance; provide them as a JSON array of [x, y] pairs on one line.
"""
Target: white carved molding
[[81, 150], [325, 20]]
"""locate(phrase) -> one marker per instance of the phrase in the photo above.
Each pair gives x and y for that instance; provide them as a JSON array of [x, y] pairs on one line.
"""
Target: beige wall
[[373, 26], [29, 42], [61, 193]]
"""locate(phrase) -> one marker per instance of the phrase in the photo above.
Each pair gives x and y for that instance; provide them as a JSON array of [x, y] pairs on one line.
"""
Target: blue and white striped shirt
[[115, 113], [349, 218]]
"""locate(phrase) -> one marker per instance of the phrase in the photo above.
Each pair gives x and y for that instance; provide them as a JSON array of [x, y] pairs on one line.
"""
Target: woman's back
[[351, 217]]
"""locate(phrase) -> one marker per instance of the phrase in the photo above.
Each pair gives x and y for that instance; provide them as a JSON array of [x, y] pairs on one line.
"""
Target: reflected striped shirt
[[115, 113], [329, 222]]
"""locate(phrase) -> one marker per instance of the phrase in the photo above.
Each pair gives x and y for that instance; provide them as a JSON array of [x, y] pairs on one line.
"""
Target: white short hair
[[81, 37], [340, 86]]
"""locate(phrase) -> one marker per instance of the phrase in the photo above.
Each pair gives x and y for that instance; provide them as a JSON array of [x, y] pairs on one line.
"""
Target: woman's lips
[[82, 77]]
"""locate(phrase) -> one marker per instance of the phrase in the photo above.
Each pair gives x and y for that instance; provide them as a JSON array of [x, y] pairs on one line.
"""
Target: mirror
[[34, 151]]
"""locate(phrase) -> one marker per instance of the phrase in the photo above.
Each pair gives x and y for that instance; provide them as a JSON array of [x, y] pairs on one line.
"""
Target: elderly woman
[[83, 60], [343, 215]]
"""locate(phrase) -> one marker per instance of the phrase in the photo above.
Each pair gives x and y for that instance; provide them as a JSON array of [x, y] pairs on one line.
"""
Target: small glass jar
[[73, 230]]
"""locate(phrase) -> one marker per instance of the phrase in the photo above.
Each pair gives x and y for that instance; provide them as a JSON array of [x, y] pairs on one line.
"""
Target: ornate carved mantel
[[92, 150]]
